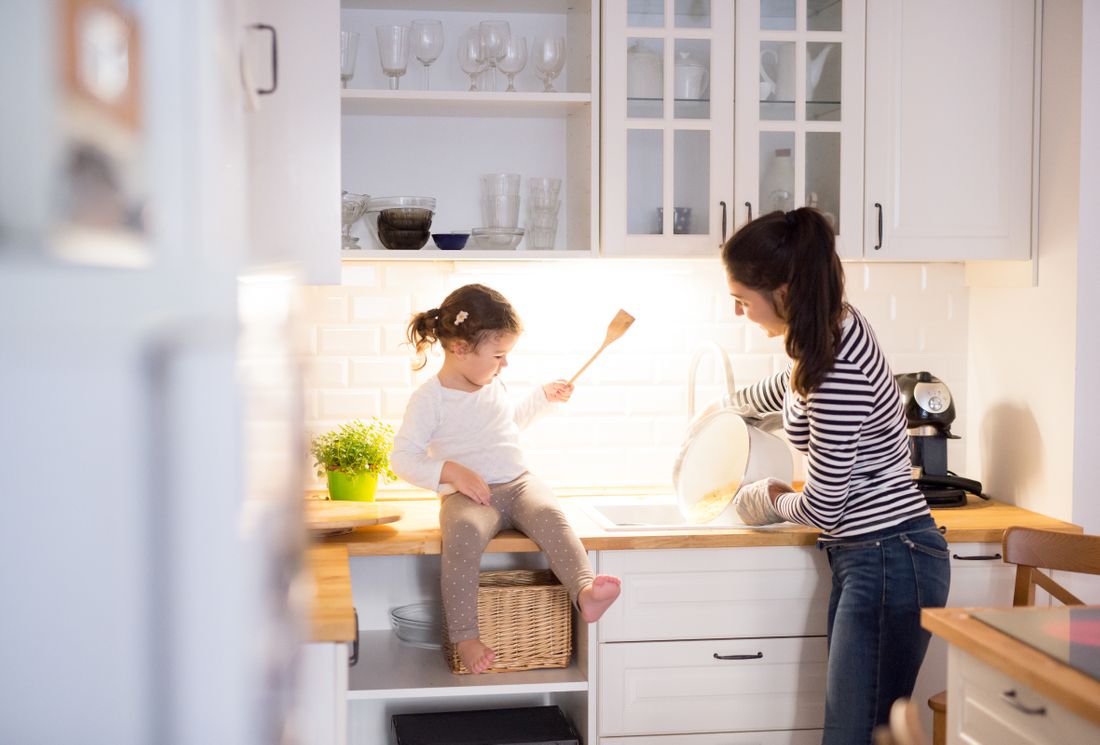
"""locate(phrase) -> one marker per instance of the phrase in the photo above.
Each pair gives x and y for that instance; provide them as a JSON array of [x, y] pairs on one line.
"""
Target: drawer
[[792, 737], [717, 593], [979, 709], [648, 688]]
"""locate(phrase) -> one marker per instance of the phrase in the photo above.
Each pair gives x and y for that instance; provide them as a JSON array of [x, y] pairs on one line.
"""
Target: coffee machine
[[929, 412]]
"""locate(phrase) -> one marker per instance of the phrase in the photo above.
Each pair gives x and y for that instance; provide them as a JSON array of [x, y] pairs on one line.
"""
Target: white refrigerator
[[150, 443]]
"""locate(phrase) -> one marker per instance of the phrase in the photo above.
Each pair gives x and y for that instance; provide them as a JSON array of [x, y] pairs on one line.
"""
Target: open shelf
[[435, 254], [390, 669], [364, 101]]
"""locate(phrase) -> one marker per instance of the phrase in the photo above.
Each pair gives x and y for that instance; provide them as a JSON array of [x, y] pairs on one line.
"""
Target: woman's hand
[[465, 480], [558, 392], [755, 502]]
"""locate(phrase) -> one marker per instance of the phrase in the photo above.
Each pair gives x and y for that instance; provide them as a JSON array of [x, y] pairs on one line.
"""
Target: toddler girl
[[460, 437]]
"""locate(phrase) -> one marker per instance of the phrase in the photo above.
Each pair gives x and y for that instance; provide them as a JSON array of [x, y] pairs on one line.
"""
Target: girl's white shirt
[[477, 429]]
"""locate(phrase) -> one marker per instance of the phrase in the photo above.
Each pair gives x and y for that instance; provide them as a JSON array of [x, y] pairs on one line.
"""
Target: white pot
[[644, 72], [691, 78]]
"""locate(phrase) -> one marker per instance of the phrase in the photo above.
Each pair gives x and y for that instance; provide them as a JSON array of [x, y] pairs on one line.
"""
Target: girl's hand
[[558, 392], [466, 481]]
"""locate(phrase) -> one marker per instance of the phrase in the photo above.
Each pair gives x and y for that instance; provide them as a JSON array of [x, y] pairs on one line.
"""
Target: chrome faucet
[[693, 368]]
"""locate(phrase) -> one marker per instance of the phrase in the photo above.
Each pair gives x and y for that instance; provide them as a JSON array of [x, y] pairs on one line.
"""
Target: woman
[[842, 409]]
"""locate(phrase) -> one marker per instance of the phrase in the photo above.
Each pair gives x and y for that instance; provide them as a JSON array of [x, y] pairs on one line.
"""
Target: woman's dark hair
[[472, 313], [795, 248]]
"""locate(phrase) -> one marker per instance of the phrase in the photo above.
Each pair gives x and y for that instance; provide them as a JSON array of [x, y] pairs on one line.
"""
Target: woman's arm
[[762, 397]]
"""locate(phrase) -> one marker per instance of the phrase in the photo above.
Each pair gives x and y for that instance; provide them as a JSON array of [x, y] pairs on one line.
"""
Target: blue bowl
[[450, 241]]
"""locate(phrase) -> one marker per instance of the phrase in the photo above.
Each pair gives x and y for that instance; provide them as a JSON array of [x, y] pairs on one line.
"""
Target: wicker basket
[[525, 617]]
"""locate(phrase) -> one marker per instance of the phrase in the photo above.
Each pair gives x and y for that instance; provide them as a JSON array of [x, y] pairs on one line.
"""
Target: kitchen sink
[[647, 516]]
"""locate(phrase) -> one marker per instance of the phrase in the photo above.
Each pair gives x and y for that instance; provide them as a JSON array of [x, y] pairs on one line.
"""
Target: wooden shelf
[[521, 104], [391, 669], [435, 254]]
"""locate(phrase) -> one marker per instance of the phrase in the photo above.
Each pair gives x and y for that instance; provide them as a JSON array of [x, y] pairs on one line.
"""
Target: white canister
[[691, 78], [644, 71]]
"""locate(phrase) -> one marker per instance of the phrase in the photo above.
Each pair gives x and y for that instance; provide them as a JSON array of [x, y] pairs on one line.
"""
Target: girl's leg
[[466, 527], [534, 510]]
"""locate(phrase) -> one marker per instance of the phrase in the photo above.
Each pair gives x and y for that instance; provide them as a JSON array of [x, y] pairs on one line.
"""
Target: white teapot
[[691, 77], [644, 72]]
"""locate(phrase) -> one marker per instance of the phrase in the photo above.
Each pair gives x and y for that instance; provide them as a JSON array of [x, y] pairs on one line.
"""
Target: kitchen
[[1004, 335]]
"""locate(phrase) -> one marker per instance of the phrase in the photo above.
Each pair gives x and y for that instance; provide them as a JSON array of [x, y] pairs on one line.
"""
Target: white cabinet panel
[[763, 591], [674, 687], [949, 125], [790, 737]]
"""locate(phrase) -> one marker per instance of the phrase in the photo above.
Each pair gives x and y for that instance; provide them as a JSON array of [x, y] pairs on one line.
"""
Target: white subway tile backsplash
[[626, 421]]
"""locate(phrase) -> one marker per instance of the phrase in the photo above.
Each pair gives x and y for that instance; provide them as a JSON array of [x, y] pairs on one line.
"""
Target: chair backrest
[[1033, 550]]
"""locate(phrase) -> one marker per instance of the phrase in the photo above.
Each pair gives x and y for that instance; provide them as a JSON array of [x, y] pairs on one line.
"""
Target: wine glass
[[470, 58], [349, 45], [514, 60], [427, 41], [549, 59], [494, 38], [393, 52]]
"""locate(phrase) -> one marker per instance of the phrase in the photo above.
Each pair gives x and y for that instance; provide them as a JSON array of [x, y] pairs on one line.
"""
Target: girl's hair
[[796, 248], [472, 313]]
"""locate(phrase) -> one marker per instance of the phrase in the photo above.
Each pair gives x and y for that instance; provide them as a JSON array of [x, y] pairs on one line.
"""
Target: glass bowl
[[419, 624], [401, 214], [497, 239]]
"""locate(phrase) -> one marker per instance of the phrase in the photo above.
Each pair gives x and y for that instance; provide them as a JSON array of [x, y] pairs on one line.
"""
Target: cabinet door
[[800, 111], [667, 133], [294, 139], [949, 148]]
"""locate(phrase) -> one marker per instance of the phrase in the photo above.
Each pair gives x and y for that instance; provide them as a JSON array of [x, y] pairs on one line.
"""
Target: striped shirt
[[852, 430]]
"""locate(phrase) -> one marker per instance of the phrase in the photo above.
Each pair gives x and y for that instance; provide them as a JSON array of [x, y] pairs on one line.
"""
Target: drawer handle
[[994, 557], [757, 656], [1009, 697]]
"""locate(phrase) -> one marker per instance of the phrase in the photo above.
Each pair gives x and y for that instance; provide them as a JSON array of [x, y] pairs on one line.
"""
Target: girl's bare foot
[[475, 656], [598, 597]]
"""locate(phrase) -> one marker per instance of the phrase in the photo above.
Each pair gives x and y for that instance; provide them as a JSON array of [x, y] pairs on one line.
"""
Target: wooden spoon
[[618, 326]]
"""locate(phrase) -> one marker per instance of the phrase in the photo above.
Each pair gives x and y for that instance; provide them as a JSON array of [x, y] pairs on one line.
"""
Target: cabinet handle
[[723, 204], [749, 205], [274, 58], [1009, 697], [994, 557], [879, 208], [354, 656], [757, 656]]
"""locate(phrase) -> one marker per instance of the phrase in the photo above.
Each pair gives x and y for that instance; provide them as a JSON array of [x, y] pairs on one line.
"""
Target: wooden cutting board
[[326, 517]]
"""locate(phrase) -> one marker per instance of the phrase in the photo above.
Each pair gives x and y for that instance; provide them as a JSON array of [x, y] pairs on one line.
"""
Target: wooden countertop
[[332, 611], [1062, 684], [417, 532]]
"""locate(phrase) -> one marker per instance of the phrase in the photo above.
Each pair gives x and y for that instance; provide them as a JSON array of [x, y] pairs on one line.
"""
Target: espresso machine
[[929, 412]]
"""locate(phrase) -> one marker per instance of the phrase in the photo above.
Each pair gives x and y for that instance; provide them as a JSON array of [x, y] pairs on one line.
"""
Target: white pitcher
[[814, 68]]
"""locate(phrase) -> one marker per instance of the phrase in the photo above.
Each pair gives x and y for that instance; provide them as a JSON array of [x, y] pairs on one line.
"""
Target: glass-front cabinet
[[667, 110], [799, 112]]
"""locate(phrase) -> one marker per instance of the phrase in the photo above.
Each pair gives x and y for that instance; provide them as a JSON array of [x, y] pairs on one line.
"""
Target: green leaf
[[355, 447]]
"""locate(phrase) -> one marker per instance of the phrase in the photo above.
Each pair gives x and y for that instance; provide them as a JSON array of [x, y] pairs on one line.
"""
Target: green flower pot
[[358, 487]]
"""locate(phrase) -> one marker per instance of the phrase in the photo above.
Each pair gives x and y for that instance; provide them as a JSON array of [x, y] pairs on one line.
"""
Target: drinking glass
[[349, 45], [549, 56], [427, 39], [514, 60], [393, 52], [494, 38], [470, 58]]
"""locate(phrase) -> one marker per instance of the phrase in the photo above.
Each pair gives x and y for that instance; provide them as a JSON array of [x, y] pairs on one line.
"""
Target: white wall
[[625, 423], [1022, 341]]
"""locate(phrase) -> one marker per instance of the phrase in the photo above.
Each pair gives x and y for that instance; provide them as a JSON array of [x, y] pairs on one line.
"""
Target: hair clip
[[460, 317]]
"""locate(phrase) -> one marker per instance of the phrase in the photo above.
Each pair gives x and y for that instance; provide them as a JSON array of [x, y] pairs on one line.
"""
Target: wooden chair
[[905, 727], [1033, 552]]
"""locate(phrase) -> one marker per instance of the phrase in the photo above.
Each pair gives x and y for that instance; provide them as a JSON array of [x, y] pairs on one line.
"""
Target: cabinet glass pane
[[776, 171], [823, 174], [646, 13], [691, 90], [823, 81], [824, 15], [777, 15], [644, 176], [645, 78], [691, 186], [777, 76], [692, 13]]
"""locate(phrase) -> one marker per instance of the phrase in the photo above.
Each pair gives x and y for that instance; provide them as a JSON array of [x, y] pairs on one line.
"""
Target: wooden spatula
[[618, 326]]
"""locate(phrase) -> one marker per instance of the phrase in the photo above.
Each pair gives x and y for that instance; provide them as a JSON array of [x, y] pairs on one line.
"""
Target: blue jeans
[[881, 580]]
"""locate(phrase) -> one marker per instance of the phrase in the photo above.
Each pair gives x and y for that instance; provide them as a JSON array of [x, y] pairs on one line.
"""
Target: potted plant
[[352, 457]]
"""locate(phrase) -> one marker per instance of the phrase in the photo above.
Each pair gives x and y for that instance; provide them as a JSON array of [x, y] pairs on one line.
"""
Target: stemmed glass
[[349, 45], [549, 59], [494, 38], [393, 52], [514, 60], [427, 39], [470, 58]]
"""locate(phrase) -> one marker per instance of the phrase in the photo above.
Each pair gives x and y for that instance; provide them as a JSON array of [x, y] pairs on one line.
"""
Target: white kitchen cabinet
[[437, 142], [698, 634], [322, 695], [294, 138], [950, 129], [987, 707]]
